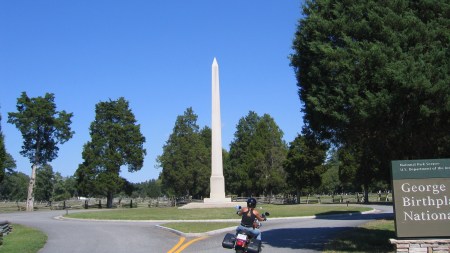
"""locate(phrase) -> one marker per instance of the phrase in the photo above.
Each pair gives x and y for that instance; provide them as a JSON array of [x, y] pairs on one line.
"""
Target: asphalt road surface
[[278, 235]]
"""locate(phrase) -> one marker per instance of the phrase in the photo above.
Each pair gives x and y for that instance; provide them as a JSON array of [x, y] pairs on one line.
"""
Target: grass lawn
[[24, 240], [174, 213], [370, 237]]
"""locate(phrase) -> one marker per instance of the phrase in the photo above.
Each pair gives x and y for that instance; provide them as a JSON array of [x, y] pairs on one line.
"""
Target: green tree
[[151, 188], [256, 155], [64, 188], [7, 163], [330, 182], [349, 172], [226, 171], [14, 187], [45, 181], [186, 161], [268, 151], [202, 183], [237, 171], [373, 77], [42, 128], [304, 162], [116, 140], [2, 153], [154, 188]]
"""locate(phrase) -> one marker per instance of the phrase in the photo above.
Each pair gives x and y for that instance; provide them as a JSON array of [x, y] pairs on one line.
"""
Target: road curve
[[279, 235], [78, 236]]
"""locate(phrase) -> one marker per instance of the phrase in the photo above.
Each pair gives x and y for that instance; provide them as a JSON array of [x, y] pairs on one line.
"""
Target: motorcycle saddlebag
[[228, 241], [254, 246]]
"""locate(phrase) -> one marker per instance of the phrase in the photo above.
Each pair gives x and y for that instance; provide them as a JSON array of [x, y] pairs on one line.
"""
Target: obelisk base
[[216, 200], [195, 205], [217, 197], [217, 194]]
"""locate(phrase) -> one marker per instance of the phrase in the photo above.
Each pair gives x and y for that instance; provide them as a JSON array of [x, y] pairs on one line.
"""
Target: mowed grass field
[[24, 240], [173, 213]]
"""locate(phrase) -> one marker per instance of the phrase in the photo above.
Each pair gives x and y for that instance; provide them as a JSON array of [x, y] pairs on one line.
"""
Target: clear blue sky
[[155, 54]]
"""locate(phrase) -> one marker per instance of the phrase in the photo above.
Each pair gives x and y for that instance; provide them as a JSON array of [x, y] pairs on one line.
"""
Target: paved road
[[297, 235], [75, 236], [279, 235]]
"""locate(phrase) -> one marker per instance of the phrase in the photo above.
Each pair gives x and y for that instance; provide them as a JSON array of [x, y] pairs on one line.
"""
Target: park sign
[[421, 191]]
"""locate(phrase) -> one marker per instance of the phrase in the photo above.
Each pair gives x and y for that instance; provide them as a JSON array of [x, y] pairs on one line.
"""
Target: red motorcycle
[[243, 242]]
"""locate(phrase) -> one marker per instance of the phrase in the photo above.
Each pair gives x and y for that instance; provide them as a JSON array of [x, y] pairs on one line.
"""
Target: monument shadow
[[301, 238], [353, 216], [315, 238]]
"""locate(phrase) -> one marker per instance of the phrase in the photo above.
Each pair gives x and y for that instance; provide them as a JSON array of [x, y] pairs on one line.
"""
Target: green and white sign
[[421, 198]]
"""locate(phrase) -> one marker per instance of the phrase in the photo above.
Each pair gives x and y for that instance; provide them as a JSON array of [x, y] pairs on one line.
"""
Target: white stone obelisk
[[217, 180]]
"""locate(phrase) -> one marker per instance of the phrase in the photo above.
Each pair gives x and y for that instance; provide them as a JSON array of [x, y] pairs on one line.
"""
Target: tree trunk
[[30, 198], [366, 194], [298, 195], [109, 200]]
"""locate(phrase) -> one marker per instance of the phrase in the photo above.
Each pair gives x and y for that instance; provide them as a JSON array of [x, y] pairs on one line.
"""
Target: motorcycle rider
[[249, 214]]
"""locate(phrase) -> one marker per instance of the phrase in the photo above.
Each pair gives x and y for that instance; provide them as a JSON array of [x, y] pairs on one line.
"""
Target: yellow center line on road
[[187, 244], [177, 245]]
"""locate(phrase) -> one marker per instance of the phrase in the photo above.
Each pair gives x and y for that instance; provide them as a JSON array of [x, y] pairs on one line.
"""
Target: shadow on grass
[[358, 239], [338, 239], [300, 238], [337, 213], [363, 240], [342, 215]]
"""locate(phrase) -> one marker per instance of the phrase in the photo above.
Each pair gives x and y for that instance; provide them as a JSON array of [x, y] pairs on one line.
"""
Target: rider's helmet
[[251, 202]]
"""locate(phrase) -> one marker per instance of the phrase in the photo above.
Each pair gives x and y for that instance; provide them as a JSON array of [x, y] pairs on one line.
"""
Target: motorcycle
[[243, 242]]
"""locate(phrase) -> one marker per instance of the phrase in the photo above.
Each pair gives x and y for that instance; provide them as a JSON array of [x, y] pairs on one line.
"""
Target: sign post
[[421, 190]]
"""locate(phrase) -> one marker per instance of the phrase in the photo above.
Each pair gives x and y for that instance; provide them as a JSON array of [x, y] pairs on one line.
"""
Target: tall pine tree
[[186, 159], [256, 157], [373, 77], [116, 141], [42, 128]]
